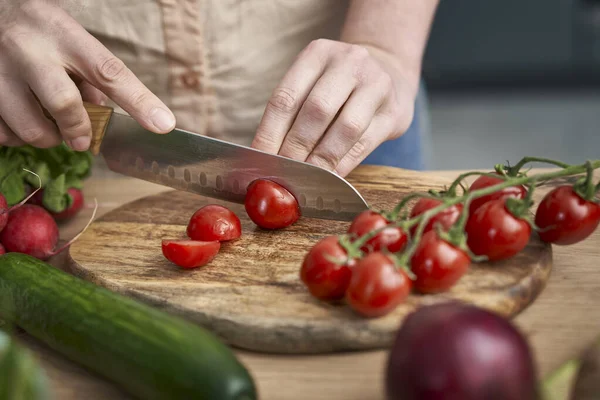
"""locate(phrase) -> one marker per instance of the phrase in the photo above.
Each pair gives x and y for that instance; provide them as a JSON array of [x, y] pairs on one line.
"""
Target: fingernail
[[82, 143], [162, 119]]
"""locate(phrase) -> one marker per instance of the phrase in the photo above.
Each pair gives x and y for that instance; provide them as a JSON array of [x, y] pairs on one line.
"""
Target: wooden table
[[561, 322]]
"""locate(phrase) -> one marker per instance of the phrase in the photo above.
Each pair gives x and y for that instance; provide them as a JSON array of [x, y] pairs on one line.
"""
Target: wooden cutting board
[[251, 295]]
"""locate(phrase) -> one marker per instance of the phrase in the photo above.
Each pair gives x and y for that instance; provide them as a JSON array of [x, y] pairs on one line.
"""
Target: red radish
[[459, 351], [32, 230], [214, 222], [74, 208], [2, 250], [66, 214], [3, 212], [190, 253]]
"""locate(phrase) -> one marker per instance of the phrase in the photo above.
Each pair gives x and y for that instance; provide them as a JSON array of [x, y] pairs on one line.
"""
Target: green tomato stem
[[514, 170], [458, 181]]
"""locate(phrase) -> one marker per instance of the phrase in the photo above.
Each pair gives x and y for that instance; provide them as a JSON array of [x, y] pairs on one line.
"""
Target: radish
[[2, 250], [3, 212], [68, 213], [32, 230]]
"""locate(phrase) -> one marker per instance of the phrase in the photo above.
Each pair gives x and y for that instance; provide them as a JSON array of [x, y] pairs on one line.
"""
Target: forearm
[[395, 31]]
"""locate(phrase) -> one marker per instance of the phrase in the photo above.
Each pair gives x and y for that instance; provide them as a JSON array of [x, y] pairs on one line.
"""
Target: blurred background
[[508, 78]]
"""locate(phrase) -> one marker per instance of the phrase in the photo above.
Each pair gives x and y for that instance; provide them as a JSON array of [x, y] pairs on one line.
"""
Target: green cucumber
[[149, 353]]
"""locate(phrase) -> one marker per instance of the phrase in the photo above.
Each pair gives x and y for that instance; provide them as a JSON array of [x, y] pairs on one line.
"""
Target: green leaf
[[41, 168], [13, 188], [55, 198], [73, 181]]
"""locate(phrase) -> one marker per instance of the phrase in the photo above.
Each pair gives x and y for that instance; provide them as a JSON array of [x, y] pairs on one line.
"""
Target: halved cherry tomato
[[493, 231], [565, 217], [214, 222], [190, 253], [377, 286], [446, 218], [517, 192], [437, 264], [392, 239], [326, 269], [270, 205]]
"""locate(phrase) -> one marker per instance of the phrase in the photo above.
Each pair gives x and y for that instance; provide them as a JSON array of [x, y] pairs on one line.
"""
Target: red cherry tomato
[[214, 222], [437, 264], [377, 286], [446, 218], [270, 206], [517, 192], [326, 269], [565, 217], [392, 239], [190, 253], [494, 232]]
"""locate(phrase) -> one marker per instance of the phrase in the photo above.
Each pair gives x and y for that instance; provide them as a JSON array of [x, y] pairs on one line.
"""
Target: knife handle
[[99, 117]]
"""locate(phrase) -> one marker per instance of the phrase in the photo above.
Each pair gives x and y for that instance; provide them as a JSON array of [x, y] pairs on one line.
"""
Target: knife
[[214, 168]]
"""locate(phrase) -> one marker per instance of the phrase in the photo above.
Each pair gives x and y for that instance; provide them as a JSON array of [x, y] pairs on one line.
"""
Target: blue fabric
[[405, 152]]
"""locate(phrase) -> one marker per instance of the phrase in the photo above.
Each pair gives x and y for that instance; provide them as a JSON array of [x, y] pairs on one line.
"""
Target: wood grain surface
[[251, 295]]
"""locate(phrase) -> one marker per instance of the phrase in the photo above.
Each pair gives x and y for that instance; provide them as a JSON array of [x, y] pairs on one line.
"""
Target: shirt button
[[190, 80]]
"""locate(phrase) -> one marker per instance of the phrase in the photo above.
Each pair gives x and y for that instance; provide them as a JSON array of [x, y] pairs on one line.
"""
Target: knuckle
[[31, 135], [111, 70], [327, 159], [318, 108], [357, 151], [358, 52], [284, 101], [138, 98], [318, 44], [300, 143], [351, 128], [65, 101]]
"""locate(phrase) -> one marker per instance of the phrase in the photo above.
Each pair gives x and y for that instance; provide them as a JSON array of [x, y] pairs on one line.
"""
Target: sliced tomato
[[214, 222], [493, 231], [517, 192], [326, 269], [270, 205], [437, 264], [446, 218], [377, 286], [392, 239], [566, 218], [190, 253]]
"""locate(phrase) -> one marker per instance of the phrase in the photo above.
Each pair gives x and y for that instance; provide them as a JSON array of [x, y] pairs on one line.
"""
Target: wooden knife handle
[[99, 117]]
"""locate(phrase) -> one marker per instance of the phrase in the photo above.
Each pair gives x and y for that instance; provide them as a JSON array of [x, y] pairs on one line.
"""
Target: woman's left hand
[[335, 105]]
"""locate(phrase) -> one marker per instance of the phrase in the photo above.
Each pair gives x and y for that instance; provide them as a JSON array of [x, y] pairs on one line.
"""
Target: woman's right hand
[[46, 54]]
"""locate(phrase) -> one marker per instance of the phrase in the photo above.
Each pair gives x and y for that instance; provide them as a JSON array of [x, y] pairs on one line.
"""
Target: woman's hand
[[47, 58], [336, 104]]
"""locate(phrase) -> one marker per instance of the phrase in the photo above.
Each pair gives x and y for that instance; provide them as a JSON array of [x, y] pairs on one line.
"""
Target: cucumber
[[148, 353]]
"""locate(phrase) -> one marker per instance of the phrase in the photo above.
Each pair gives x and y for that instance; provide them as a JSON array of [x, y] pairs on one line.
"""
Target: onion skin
[[454, 351]]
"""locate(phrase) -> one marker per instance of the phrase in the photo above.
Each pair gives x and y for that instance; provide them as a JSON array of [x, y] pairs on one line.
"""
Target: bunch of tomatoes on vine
[[430, 240]]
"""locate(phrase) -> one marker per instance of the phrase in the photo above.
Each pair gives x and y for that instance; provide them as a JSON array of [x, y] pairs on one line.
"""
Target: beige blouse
[[213, 62]]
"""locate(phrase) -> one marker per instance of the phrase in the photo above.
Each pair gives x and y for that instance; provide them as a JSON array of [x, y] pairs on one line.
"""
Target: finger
[[368, 142], [352, 122], [92, 95], [322, 104], [23, 115], [288, 96], [7, 137], [88, 58], [59, 95]]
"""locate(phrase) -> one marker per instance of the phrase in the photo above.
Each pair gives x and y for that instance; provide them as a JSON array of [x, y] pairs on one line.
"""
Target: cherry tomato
[[494, 232], [270, 206], [517, 192], [377, 286], [565, 217], [437, 264], [190, 253], [392, 239], [326, 269], [214, 222], [446, 218]]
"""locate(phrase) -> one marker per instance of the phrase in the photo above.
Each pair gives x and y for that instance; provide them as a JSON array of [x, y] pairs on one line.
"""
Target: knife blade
[[215, 168]]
